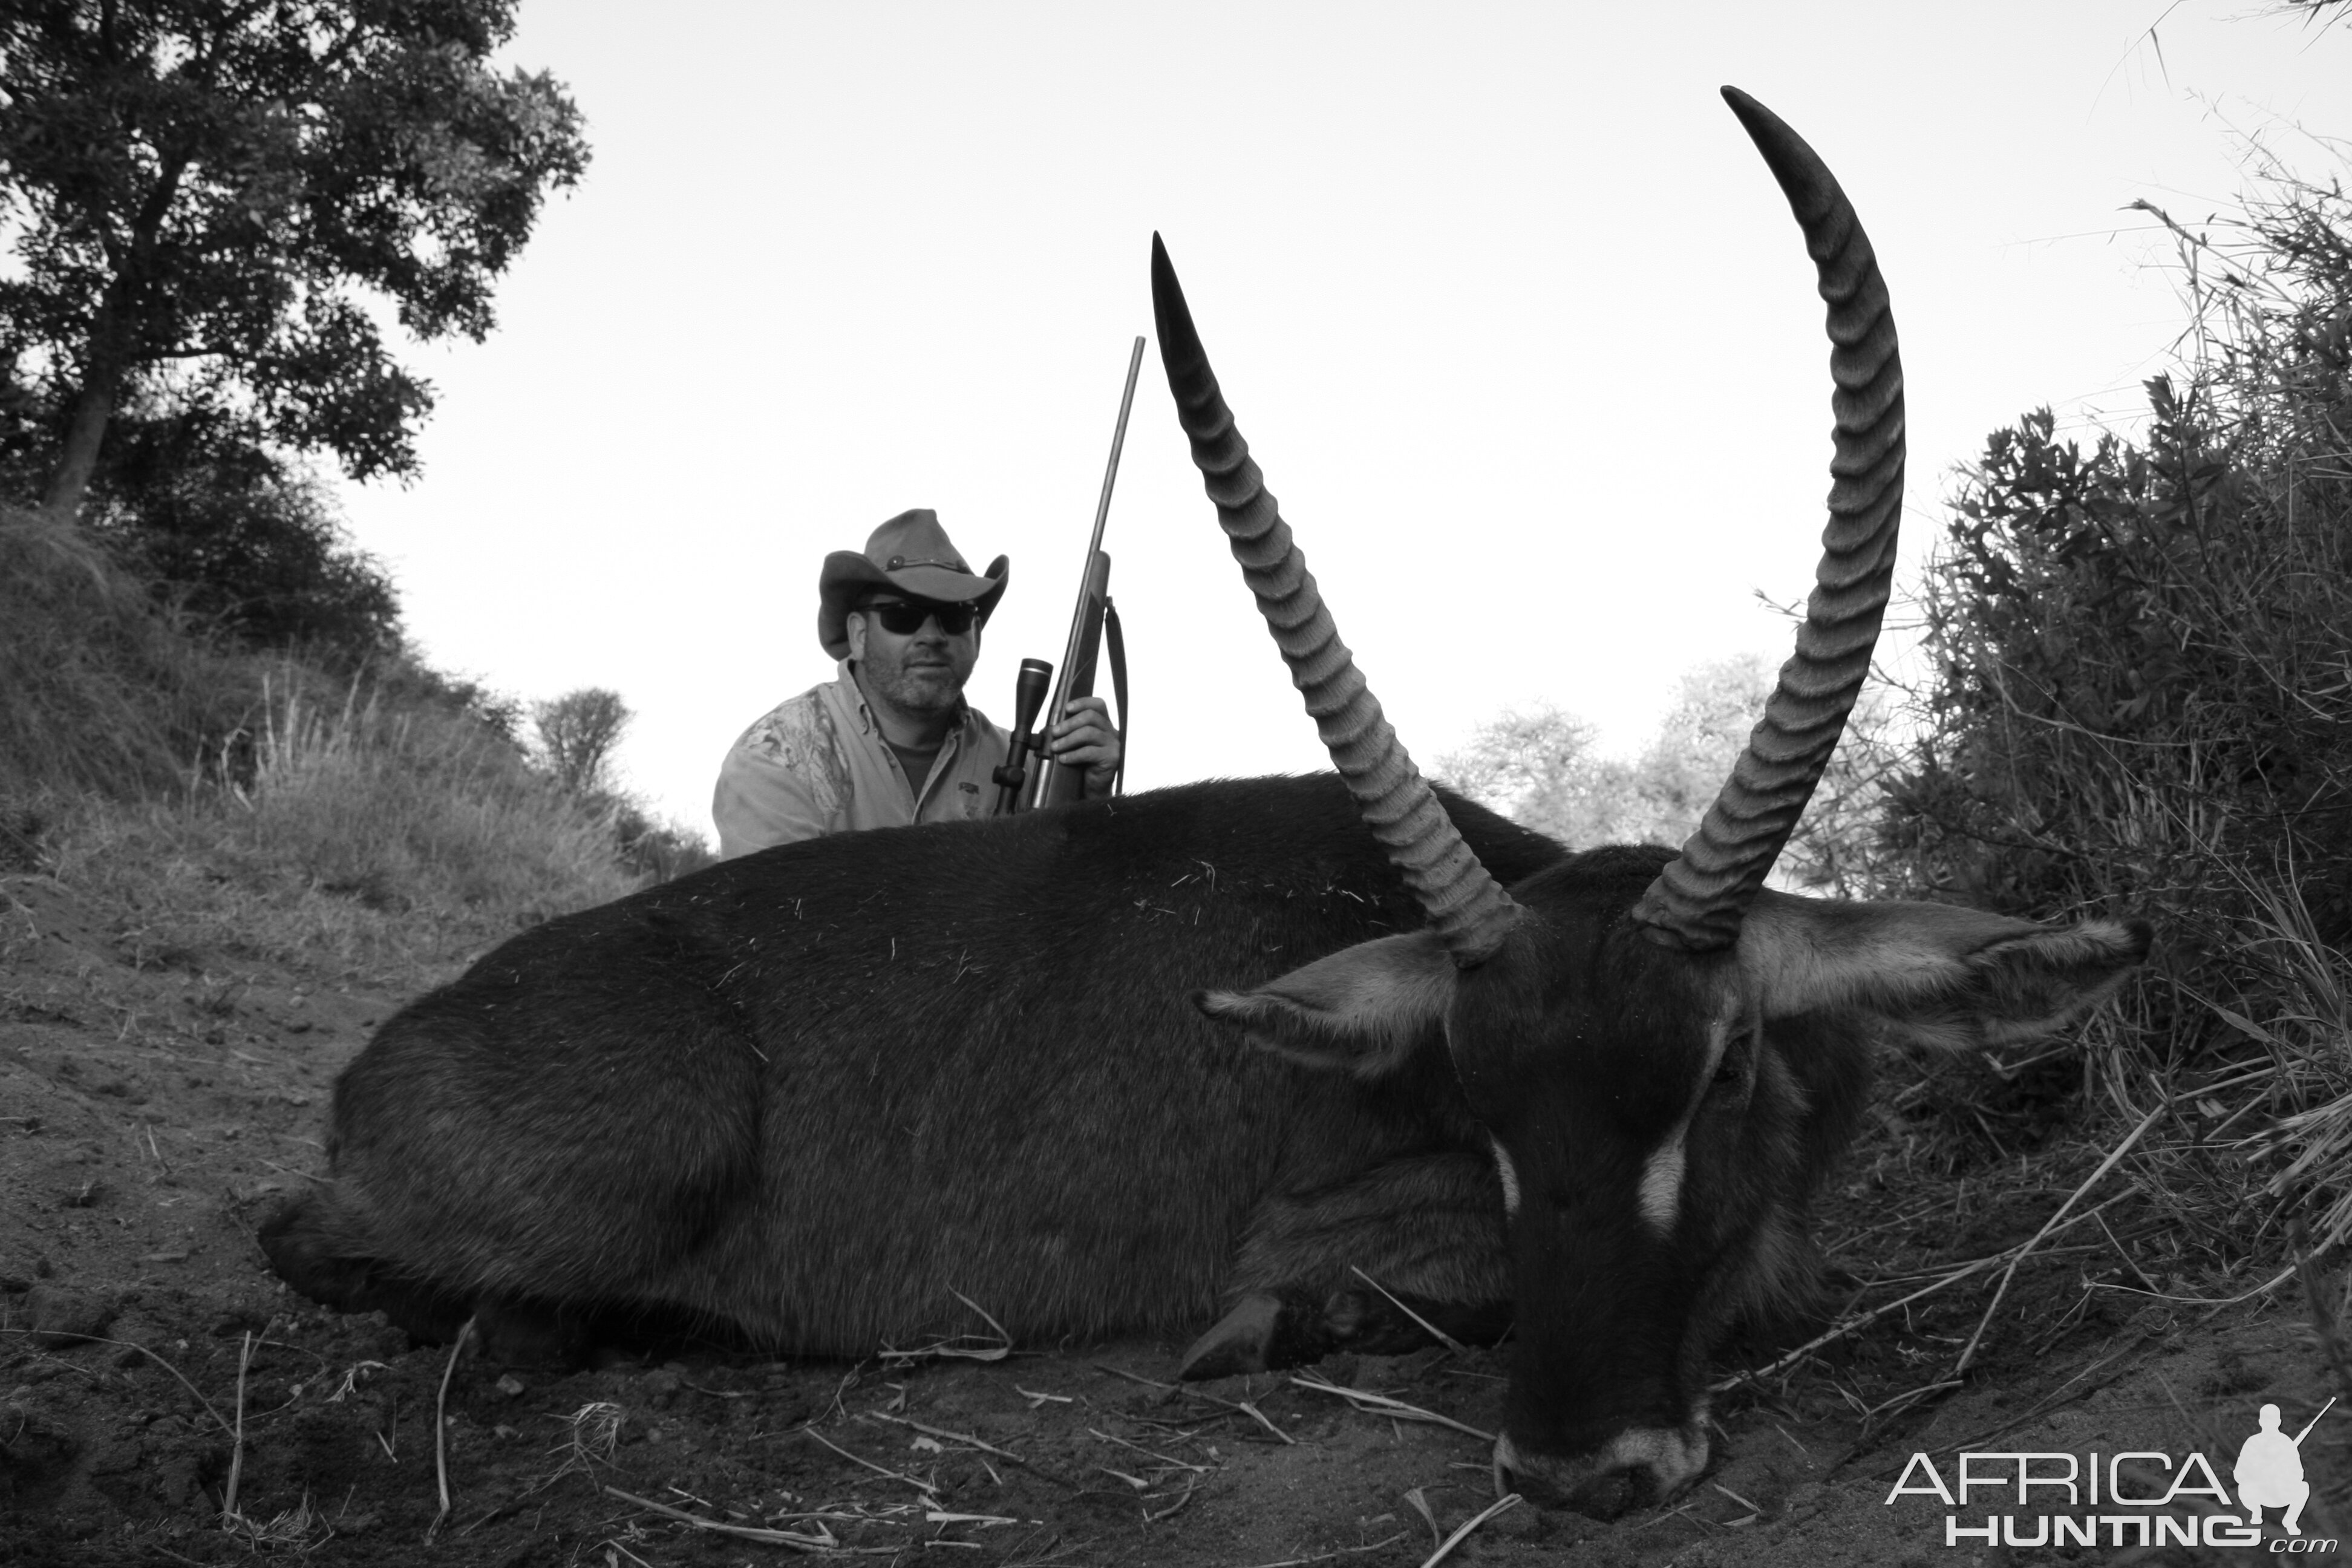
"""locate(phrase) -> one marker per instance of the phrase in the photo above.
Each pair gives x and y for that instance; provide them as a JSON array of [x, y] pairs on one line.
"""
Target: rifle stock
[[1058, 782]]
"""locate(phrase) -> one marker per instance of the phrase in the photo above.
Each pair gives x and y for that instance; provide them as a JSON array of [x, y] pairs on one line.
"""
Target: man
[[891, 741], [2268, 1473]]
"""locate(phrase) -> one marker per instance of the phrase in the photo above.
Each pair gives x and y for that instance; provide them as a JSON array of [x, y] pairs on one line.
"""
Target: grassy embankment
[[255, 808]]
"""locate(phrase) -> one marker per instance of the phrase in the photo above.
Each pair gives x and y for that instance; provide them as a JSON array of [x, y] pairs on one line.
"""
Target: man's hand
[[1083, 738]]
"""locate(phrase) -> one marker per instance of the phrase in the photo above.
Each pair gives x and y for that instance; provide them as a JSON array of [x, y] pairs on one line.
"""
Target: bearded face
[[920, 673]]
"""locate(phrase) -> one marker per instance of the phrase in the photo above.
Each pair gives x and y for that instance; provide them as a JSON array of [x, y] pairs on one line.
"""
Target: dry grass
[[344, 836], [996, 1346], [2307, 1093], [100, 691]]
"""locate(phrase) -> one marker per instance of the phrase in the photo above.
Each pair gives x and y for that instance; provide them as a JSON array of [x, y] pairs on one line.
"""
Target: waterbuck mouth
[[1641, 1466]]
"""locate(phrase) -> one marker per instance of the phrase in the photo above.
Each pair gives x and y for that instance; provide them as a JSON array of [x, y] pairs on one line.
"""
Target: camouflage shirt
[[818, 764]]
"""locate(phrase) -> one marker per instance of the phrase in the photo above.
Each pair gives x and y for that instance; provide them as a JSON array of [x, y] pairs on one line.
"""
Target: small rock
[[92, 1191], [63, 1317], [510, 1386]]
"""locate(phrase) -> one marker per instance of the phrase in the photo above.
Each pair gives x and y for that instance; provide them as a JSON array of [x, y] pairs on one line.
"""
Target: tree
[[1542, 770], [203, 194], [252, 546], [577, 731]]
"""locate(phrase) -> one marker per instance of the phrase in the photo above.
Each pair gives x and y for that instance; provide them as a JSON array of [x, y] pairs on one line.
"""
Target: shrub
[[2142, 694]]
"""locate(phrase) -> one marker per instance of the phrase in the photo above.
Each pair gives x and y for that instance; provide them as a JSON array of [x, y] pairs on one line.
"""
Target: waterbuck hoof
[[1243, 1341]]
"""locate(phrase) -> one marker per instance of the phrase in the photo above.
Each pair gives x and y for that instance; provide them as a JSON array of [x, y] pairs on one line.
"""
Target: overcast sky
[[1511, 313]]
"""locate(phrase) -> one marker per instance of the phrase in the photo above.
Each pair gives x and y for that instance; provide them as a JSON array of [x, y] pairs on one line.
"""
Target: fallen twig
[[1841, 1329], [1440, 1335], [237, 1439], [1753, 1509], [955, 1348], [1191, 1485], [828, 1542], [1260, 1416], [1418, 1500], [1244, 1407], [441, 1426], [2115, 1157], [1148, 1453], [1337, 1551], [1509, 1500], [1372, 1404], [2272, 1283], [1003, 1453], [927, 1488]]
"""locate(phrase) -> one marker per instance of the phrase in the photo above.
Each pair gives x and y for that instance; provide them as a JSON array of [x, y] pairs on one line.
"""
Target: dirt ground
[[156, 1102]]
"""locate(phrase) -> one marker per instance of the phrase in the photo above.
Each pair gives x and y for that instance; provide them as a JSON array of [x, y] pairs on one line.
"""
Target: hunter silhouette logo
[[2269, 1471], [2131, 1498]]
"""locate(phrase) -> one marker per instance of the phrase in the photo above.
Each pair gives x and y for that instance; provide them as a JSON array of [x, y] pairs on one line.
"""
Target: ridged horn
[[1699, 899], [1469, 909]]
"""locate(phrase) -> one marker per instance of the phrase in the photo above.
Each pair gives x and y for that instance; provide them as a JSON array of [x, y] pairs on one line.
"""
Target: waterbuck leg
[[1427, 1230]]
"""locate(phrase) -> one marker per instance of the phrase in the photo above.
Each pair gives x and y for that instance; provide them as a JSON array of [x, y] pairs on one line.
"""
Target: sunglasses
[[904, 617]]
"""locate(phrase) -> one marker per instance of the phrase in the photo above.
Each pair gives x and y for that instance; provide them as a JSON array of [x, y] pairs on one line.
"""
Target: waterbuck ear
[[1364, 1009], [1937, 974]]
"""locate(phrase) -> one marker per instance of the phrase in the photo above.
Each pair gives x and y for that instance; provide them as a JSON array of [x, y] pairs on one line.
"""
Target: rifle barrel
[[1071, 646]]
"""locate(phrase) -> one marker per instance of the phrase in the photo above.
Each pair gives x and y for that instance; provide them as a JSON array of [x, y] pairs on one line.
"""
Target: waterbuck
[[1236, 1044]]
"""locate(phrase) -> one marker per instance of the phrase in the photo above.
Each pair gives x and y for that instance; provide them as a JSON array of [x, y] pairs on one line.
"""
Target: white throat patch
[[1661, 1191], [1504, 1168], [1662, 1184]]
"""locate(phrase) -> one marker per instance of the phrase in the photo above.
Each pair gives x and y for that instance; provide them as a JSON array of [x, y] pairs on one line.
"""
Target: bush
[[2142, 694]]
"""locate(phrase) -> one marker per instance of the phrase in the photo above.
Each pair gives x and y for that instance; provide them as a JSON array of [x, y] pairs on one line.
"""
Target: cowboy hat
[[912, 554]]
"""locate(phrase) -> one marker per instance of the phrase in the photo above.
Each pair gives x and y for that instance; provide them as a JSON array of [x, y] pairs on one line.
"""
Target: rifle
[[1056, 783]]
